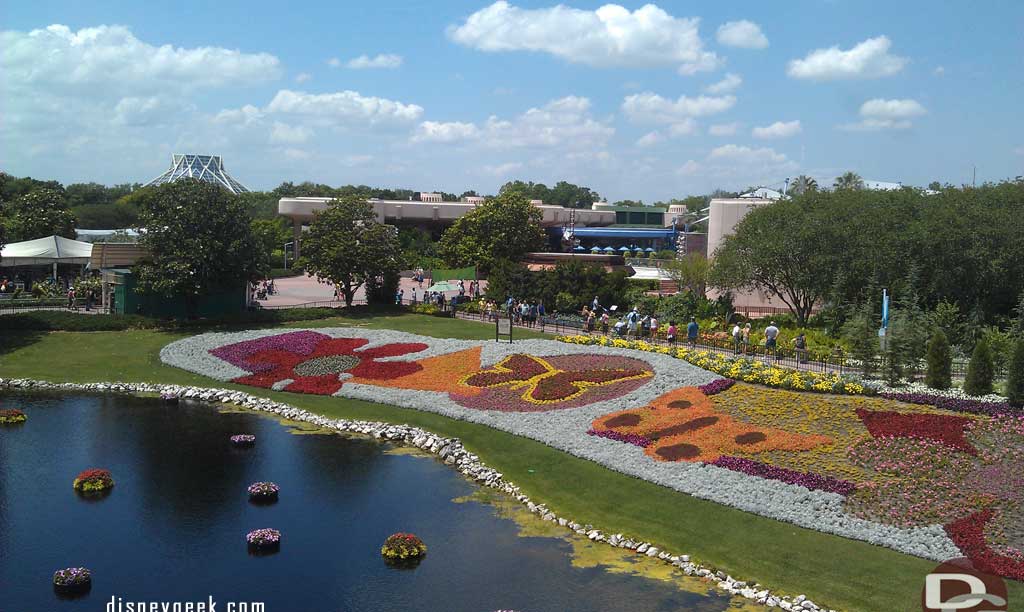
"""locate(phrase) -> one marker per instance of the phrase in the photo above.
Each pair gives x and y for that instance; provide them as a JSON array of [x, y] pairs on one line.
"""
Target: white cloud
[[881, 114], [302, 77], [743, 34], [723, 129], [741, 165], [648, 107], [452, 131], [113, 58], [1019, 150], [689, 168], [685, 127], [334, 62], [779, 129], [939, 71], [289, 134], [346, 105], [728, 83], [609, 36], [650, 139], [563, 123], [737, 153], [867, 60], [148, 111], [503, 170], [384, 60], [245, 115]]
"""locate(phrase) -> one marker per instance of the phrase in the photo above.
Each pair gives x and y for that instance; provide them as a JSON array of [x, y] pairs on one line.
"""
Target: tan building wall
[[724, 215]]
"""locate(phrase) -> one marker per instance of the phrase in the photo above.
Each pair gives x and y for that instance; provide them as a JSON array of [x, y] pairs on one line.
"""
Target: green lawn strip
[[835, 571]]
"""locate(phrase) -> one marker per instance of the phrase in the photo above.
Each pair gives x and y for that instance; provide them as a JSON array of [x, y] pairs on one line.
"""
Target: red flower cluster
[[947, 430], [94, 474], [968, 534]]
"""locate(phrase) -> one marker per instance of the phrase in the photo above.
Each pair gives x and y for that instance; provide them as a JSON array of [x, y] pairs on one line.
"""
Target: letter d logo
[[960, 588]]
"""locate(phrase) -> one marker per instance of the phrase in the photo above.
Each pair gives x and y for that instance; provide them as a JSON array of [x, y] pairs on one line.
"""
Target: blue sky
[[642, 102]]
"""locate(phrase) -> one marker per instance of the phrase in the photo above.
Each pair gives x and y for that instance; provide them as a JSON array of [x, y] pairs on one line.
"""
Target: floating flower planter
[[403, 549], [263, 541], [243, 440], [12, 416], [72, 581], [170, 398], [263, 492], [93, 481]]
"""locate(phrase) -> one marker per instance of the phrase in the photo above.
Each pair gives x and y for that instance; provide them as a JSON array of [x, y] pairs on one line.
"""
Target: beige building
[[725, 213]]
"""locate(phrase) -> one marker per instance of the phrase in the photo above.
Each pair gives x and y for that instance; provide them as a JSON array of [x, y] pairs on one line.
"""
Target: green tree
[[898, 355], [848, 181], [689, 272], [199, 240], [783, 250], [861, 334], [1015, 375], [40, 213], [347, 247], [107, 216], [504, 227], [940, 362], [803, 184], [980, 370]]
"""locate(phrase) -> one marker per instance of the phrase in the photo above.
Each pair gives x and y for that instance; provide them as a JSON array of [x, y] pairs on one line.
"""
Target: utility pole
[[974, 177]]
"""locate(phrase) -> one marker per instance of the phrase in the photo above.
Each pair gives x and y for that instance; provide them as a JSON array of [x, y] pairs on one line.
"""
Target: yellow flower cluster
[[738, 368]]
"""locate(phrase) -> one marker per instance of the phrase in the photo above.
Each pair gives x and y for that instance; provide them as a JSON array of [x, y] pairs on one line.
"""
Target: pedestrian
[[595, 304], [631, 323], [654, 327], [692, 331], [746, 338], [737, 337], [71, 299], [414, 296], [671, 333], [604, 322], [800, 347], [771, 334]]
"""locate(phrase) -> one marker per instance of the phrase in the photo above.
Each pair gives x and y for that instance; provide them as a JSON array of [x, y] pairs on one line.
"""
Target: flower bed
[[740, 368], [93, 481], [263, 491], [263, 540], [793, 456], [243, 440], [403, 547], [72, 580], [12, 416]]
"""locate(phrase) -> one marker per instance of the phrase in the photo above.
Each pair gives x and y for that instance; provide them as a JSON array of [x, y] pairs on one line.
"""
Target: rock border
[[451, 452]]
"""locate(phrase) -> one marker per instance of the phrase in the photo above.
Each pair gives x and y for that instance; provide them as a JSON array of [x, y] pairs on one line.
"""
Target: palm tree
[[802, 184], [849, 180]]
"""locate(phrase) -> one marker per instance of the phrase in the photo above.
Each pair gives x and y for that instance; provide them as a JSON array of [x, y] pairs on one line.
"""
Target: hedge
[[56, 320]]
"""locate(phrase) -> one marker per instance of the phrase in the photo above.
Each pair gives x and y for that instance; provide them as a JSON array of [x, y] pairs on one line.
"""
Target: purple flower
[[815, 482], [717, 386], [243, 439], [263, 537], [72, 577], [955, 404], [634, 439]]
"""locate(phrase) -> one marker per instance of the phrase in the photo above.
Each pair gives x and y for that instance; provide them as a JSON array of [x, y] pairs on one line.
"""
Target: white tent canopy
[[45, 251]]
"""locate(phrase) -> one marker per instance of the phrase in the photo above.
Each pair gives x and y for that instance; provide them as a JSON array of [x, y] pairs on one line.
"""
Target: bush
[[1015, 376], [284, 272], [403, 547], [980, 370], [93, 481], [56, 320], [940, 362], [12, 416]]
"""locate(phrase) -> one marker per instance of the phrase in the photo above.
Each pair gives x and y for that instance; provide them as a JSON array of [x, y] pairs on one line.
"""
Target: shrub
[[263, 491], [403, 547], [56, 320], [980, 370], [265, 539], [243, 440], [1015, 376], [940, 362], [72, 580], [93, 481], [12, 416]]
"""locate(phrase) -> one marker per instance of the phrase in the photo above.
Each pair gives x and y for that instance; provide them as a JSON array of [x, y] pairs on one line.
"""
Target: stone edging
[[448, 450]]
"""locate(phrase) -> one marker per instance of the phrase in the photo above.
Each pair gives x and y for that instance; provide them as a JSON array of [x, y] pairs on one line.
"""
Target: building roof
[[209, 168], [623, 232], [882, 185], [44, 251]]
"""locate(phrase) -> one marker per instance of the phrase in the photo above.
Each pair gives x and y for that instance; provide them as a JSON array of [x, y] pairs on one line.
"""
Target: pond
[[173, 528]]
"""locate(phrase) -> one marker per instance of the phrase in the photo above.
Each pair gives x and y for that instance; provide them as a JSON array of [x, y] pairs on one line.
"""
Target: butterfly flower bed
[[243, 440], [740, 368], [403, 547], [72, 580], [263, 540], [12, 416], [93, 481], [803, 458], [263, 491]]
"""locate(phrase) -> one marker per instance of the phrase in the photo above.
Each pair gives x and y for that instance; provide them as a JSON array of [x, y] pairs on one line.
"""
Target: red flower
[[968, 534], [948, 430], [319, 371]]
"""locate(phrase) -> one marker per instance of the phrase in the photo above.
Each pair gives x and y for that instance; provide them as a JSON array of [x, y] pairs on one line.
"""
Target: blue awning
[[623, 233]]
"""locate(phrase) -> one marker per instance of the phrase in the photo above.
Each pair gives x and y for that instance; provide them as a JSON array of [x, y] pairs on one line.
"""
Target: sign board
[[503, 327]]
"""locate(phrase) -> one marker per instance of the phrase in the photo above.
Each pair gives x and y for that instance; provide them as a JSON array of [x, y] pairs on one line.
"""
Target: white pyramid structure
[[209, 168]]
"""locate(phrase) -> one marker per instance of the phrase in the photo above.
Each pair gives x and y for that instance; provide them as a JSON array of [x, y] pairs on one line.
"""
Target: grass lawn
[[834, 571]]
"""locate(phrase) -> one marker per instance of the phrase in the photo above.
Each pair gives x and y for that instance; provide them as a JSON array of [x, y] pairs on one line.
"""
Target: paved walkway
[[298, 290]]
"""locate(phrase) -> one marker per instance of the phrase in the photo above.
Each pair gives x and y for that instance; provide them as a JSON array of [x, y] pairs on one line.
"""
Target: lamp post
[[286, 245]]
